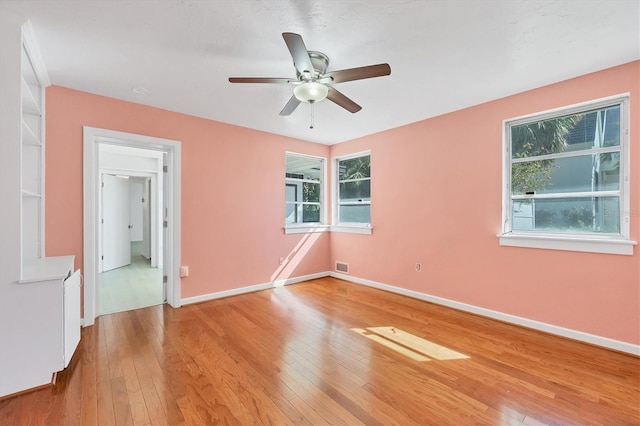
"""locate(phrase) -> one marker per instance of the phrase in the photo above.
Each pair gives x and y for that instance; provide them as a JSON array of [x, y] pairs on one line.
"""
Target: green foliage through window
[[565, 172]]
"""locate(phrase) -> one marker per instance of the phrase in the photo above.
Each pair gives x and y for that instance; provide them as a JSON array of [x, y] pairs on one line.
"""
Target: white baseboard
[[513, 319], [252, 288]]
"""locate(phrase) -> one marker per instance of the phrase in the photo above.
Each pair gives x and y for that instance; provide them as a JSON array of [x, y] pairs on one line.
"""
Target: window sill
[[353, 228], [305, 229], [569, 243]]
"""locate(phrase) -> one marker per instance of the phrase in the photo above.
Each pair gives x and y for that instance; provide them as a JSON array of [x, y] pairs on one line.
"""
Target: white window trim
[[618, 244], [346, 227], [322, 226], [300, 228], [570, 243], [353, 228]]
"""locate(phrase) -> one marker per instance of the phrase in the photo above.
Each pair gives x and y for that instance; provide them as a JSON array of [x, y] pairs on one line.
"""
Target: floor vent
[[342, 267]]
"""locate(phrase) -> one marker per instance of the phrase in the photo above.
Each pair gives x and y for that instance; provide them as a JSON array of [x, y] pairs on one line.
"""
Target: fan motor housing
[[320, 62]]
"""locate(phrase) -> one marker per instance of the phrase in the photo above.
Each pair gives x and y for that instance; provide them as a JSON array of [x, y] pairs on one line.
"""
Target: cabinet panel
[[71, 316]]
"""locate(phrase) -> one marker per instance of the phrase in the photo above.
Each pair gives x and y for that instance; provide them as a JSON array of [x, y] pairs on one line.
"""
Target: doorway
[[101, 149], [129, 276]]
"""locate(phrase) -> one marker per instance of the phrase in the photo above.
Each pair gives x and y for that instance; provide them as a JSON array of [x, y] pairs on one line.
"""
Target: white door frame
[[91, 138]]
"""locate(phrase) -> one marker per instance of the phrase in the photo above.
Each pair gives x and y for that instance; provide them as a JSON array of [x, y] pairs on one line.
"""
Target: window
[[304, 192], [565, 174], [353, 191]]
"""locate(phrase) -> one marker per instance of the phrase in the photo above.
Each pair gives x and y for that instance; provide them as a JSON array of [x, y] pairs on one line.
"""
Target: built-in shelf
[[47, 268], [30, 194], [29, 137], [29, 103], [40, 314], [31, 161]]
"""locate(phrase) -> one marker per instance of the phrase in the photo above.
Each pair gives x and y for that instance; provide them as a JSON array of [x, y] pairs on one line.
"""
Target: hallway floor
[[131, 287]]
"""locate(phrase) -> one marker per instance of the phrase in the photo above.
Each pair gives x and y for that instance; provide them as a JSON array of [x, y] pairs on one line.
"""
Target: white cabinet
[[39, 297], [52, 332], [71, 315]]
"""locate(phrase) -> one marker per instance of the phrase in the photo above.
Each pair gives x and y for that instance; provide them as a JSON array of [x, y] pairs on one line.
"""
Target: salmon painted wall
[[436, 192], [232, 191]]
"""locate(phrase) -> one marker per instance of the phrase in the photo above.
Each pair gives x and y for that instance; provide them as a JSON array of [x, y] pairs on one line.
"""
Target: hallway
[[131, 287]]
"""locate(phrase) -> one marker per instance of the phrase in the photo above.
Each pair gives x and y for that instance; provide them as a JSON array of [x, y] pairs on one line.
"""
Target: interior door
[[116, 234], [146, 220], [165, 221]]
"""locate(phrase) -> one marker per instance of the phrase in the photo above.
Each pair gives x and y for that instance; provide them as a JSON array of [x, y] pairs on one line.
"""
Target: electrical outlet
[[184, 271], [418, 267], [281, 260]]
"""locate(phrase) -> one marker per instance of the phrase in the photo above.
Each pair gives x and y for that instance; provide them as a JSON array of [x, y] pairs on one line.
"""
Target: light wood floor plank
[[329, 352]]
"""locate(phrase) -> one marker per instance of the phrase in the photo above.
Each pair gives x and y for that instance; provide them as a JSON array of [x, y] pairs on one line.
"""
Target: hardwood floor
[[329, 352]]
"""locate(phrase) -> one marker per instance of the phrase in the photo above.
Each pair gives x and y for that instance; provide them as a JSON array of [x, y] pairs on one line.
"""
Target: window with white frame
[[304, 190], [566, 175], [353, 191]]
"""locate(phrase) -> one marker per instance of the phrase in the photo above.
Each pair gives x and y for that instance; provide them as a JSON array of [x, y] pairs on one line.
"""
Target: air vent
[[294, 175], [342, 267]]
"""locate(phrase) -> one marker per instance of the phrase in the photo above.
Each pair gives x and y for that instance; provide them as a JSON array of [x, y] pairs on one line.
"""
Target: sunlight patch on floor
[[409, 345], [511, 416]]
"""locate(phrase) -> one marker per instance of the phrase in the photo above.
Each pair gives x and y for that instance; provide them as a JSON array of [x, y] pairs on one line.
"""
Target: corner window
[[566, 175], [353, 190], [304, 190]]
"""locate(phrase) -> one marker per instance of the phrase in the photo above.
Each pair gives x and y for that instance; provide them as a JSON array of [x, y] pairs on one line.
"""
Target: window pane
[[310, 213], [298, 213], [357, 214], [572, 174], [311, 192], [587, 130], [355, 191], [355, 168], [303, 184], [291, 195], [575, 215], [303, 168], [291, 213]]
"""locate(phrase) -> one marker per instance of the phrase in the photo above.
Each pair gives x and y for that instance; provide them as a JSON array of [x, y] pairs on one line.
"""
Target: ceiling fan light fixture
[[311, 91]]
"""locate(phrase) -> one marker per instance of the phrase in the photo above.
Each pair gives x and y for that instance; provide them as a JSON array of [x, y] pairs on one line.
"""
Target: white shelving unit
[[32, 161], [40, 296]]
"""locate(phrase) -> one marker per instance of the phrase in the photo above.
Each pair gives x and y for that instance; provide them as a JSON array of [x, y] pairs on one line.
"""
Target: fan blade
[[299, 53], [359, 73], [290, 106], [260, 80], [341, 100]]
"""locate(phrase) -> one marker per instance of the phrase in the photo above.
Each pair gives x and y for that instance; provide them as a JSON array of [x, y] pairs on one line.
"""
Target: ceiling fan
[[313, 82]]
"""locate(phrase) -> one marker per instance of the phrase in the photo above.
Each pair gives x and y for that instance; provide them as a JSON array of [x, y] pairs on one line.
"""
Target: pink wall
[[232, 190], [436, 199], [436, 194]]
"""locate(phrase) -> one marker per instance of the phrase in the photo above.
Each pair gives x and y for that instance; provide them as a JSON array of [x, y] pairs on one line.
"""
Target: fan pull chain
[[311, 125]]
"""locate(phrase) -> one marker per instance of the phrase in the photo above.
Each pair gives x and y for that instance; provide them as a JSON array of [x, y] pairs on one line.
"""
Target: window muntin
[[566, 172], [354, 189], [303, 189]]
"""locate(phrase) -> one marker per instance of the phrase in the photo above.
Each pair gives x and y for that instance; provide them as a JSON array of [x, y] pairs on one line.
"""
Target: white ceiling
[[444, 55]]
